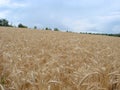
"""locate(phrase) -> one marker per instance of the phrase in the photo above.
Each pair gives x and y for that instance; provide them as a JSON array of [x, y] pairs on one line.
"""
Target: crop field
[[52, 60]]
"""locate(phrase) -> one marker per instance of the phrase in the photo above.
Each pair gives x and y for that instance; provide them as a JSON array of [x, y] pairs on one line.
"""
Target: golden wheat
[[49, 60]]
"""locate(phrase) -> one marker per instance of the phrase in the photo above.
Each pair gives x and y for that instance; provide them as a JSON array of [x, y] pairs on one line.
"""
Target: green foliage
[[4, 22], [115, 35], [69, 31], [22, 26], [35, 27], [3, 80], [48, 28], [56, 29]]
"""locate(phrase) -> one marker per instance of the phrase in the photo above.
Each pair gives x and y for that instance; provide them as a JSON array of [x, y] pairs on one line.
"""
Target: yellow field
[[49, 60]]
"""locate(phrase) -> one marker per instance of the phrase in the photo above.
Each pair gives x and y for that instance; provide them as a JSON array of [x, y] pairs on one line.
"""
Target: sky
[[96, 16]]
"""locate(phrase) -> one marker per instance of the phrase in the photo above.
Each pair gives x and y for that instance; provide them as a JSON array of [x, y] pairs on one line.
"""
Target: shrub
[[56, 29], [22, 26], [4, 22], [35, 27], [48, 28]]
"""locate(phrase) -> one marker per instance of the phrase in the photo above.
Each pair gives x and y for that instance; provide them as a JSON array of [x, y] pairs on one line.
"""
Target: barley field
[[51, 60]]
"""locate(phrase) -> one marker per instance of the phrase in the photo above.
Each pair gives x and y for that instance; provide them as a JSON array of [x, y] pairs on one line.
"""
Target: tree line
[[106, 34], [4, 22]]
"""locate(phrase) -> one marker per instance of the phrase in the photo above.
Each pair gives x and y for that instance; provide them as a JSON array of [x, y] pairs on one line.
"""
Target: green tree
[[56, 29], [22, 26], [35, 27], [4, 22], [48, 28]]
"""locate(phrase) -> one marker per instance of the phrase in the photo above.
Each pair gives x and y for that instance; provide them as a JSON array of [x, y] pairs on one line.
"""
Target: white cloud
[[109, 23], [4, 14], [4, 2], [102, 24], [116, 29], [81, 25], [77, 15], [8, 8], [18, 4], [11, 4], [110, 17]]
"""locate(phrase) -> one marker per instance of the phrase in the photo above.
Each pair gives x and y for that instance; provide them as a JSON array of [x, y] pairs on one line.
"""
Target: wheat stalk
[[1, 87]]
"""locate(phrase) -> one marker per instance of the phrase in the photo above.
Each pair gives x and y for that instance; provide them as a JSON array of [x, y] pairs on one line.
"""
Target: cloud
[[99, 24], [14, 11], [3, 14], [109, 23], [18, 5], [76, 15], [112, 17], [11, 4], [4, 2], [81, 25]]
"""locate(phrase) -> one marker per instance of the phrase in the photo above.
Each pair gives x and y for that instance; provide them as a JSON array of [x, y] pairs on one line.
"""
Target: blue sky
[[101, 16]]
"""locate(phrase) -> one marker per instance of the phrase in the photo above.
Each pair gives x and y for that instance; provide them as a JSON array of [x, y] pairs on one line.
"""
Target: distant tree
[[48, 28], [118, 34], [22, 26], [4, 22], [56, 29], [35, 27]]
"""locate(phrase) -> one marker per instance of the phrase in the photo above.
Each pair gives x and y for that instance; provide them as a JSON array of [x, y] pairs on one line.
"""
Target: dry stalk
[[1, 87], [84, 78]]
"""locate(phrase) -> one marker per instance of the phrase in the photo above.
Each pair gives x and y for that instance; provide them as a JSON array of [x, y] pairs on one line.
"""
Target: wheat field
[[51, 60]]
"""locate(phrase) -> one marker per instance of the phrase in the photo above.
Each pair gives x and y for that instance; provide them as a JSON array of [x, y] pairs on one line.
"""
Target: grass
[[49, 60]]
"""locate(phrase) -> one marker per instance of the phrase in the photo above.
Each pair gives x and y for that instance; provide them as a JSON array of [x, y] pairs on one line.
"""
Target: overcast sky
[[102, 16]]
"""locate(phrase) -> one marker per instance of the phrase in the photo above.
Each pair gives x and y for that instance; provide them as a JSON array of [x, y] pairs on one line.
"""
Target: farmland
[[51, 60]]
